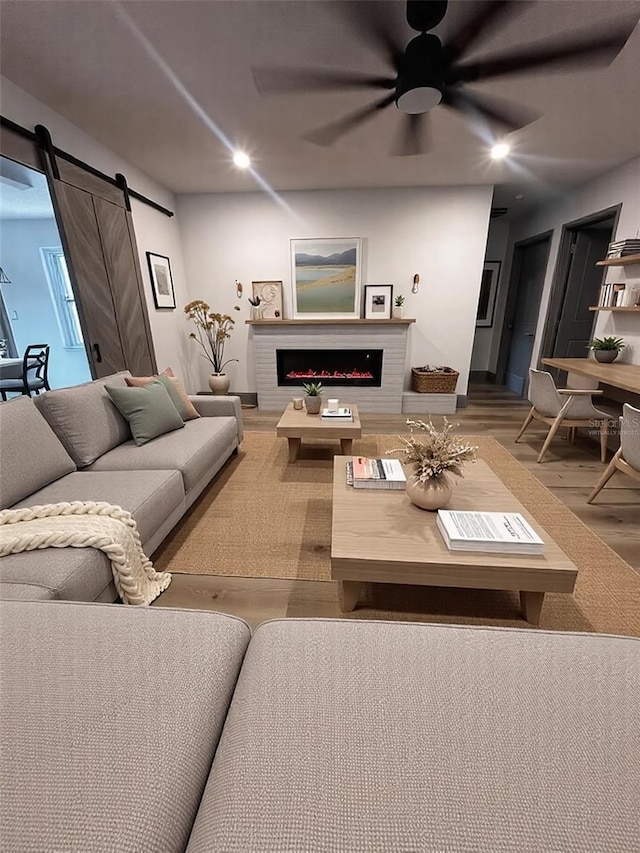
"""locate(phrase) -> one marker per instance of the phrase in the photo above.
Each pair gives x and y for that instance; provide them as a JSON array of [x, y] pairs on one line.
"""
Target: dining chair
[[627, 459], [35, 373], [568, 407]]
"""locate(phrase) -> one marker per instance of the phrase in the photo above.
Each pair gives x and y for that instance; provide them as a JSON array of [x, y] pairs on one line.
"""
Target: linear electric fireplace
[[361, 367]]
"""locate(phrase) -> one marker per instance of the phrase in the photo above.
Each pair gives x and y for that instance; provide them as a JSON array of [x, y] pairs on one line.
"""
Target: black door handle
[[96, 352]]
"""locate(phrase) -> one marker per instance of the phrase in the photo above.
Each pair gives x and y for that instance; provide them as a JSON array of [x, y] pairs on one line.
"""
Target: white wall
[[497, 242], [439, 233], [154, 231], [620, 186]]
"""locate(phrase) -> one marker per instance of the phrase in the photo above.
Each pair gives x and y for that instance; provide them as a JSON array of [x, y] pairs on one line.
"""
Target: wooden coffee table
[[296, 424], [381, 537]]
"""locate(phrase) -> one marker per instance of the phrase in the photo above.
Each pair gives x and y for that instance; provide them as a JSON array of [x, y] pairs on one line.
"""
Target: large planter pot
[[219, 383], [432, 495], [313, 404], [605, 356]]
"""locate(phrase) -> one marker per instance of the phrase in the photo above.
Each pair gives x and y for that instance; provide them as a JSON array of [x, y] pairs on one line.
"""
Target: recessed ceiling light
[[241, 160], [519, 196], [499, 151]]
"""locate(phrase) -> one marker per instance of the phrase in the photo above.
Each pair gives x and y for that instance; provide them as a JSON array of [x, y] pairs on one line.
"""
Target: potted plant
[[431, 456], [606, 349], [398, 302], [212, 332], [313, 399]]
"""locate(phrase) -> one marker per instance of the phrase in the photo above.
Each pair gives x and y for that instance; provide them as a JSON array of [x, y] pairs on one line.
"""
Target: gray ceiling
[[161, 82]]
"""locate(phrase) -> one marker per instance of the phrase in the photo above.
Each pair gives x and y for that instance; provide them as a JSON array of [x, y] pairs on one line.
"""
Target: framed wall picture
[[270, 295], [488, 292], [325, 278], [161, 280], [378, 299]]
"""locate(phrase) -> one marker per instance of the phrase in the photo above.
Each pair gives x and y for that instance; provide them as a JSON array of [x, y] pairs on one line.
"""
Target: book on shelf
[[343, 414], [622, 248], [612, 295], [364, 473], [489, 532]]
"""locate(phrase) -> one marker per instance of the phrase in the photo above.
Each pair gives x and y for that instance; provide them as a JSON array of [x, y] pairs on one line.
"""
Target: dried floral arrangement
[[212, 332], [434, 452]]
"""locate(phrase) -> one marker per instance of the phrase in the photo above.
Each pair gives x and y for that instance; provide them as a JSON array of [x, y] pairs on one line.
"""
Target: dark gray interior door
[[530, 265], [576, 322]]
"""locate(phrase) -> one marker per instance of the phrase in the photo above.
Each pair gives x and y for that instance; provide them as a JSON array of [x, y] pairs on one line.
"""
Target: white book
[[388, 474], [492, 532]]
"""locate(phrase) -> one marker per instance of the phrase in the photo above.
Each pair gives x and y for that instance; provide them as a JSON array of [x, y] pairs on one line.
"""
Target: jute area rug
[[265, 518]]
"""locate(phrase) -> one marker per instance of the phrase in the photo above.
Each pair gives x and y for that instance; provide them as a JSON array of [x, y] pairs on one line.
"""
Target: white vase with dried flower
[[431, 456]]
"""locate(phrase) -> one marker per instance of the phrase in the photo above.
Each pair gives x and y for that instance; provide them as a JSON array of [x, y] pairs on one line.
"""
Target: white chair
[[569, 407], [627, 459]]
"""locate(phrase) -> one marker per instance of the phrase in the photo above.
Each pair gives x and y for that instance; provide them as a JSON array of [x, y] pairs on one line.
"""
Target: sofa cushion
[[69, 574], [149, 410], [395, 737], [110, 720], [30, 456], [24, 592], [85, 418], [174, 387], [150, 496], [193, 451]]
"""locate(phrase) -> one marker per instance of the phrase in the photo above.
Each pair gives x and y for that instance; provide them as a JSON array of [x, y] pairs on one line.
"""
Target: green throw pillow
[[149, 410]]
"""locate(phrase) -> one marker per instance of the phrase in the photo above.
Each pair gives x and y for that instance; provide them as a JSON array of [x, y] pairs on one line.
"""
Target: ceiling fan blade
[[275, 81], [376, 23], [412, 139], [487, 16], [330, 133], [505, 114], [423, 15], [590, 49]]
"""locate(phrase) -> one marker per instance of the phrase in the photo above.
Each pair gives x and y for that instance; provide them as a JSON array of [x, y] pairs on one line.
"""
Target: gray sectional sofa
[[73, 444], [154, 730]]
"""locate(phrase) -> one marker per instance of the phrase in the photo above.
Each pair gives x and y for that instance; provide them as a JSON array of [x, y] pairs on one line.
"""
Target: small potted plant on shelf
[[606, 349], [313, 399], [431, 457], [398, 302], [212, 332]]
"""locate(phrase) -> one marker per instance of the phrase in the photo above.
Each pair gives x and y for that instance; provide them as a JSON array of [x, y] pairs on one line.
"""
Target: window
[[55, 266]]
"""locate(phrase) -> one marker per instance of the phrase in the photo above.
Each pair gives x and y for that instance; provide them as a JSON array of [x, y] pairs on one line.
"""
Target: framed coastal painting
[[270, 295], [325, 278], [161, 281], [377, 301], [488, 291]]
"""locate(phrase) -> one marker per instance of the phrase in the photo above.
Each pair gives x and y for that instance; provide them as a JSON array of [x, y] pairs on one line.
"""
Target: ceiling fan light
[[500, 151], [421, 99], [241, 160]]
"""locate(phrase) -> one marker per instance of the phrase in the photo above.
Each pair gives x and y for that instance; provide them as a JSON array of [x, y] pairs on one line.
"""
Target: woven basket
[[433, 381]]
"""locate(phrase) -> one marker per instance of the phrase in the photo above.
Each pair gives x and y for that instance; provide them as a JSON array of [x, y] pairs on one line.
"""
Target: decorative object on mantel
[[161, 280], [434, 380], [606, 349], [432, 456], [313, 399], [398, 304], [269, 294], [212, 332], [325, 278], [377, 301], [256, 311]]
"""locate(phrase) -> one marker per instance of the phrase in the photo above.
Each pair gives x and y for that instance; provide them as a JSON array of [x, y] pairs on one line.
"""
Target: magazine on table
[[364, 473], [492, 532]]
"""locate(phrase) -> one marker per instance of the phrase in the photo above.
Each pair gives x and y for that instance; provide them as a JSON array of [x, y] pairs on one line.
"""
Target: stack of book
[[491, 532], [612, 295], [622, 248], [342, 414], [363, 473]]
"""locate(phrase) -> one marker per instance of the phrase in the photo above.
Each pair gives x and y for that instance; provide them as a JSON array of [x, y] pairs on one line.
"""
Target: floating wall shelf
[[628, 309], [619, 262], [393, 322]]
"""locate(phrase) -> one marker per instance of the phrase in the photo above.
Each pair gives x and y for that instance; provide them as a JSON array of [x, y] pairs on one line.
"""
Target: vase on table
[[431, 495], [219, 383], [313, 404]]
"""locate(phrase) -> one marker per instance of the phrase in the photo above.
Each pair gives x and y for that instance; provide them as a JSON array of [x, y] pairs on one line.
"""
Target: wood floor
[[569, 471]]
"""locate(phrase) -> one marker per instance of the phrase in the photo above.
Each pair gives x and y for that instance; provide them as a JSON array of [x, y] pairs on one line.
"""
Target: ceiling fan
[[427, 73]]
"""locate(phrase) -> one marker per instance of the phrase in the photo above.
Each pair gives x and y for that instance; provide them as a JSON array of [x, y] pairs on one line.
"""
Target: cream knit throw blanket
[[87, 524]]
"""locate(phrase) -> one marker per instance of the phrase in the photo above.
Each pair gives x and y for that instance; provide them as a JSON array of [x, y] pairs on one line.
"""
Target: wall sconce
[[4, 278]]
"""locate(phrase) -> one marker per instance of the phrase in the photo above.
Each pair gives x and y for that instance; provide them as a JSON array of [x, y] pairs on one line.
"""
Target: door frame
[[560, 279], [512, 294]]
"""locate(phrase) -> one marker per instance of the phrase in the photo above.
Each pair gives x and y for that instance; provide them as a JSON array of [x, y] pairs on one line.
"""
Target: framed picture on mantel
[[325, 278], [378, 299]]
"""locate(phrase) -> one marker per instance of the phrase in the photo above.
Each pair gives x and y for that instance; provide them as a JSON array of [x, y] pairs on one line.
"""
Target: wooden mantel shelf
[[393, 322]]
